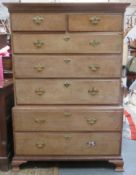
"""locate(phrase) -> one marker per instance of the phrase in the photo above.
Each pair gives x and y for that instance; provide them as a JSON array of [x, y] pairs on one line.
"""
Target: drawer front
[[66, 119], [67, 143], [95, 22], [67, 66], [38, 22], [67, 91], [67, 43]]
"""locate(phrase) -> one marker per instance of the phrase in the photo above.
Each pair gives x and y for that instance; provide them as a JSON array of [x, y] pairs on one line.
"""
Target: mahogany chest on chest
[[67, 75]]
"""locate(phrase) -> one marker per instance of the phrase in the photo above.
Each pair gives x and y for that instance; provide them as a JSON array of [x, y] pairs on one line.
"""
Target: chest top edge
[[67, 7]]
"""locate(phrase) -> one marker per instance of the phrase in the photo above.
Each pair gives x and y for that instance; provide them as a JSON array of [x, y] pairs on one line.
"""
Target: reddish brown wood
[[116, 160], [67, 119], [52, 22], [67, 7], [53, 69], [65, 158], [118, 164], [62, 46], [78, 43], [4, 164], [56, 92], [67, 143], [16, 165], [3, 40], [6, 102]]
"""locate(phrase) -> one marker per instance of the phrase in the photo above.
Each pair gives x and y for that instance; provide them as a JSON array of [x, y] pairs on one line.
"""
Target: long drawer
[[95, 22], [38, 66], [67, 118], [67, 143], [68, 91], [38, 22], [67, 43]]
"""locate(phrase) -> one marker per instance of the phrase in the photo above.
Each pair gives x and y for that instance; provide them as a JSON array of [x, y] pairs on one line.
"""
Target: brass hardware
[[39, 68], [93, 91], [91, 121], [40, 121], [66, 84], [38, 43], [91, 143], [67, 114], [94, 67], [94, 43], [94, 20], [40, 91], [38, 20], [67, 137], [40, 145], [67, 38], [67, 61]]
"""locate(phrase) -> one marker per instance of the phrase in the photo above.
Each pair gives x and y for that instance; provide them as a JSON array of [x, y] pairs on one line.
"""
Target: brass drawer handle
[[91, 121], [40, 91], [67, 137], [40, 145], [66, 84], [94, 20], [67, 114], [39, 68], [94, 67], [67, 61], [40, 121], [38, 20], [91, 143], [67, 38], [94, 43], [93, 91], [38, 43]]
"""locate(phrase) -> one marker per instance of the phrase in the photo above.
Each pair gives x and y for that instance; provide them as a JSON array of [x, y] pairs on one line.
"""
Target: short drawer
[[67, 43], [67, 119], [31, 143], [95, 22], [38, 22], [68, 91], [38, 66]]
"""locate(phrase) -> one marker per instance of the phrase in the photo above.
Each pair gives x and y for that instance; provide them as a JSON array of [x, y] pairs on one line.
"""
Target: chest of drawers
[[6, 136], [67, 75]]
